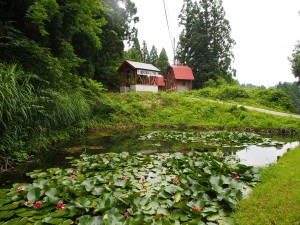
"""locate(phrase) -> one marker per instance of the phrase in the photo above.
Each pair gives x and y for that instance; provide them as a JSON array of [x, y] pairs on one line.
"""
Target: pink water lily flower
[[175, 180], [196, 208], [163, 157], [37, 205], [73, 176], [21, 188], [194, 158], [142, 178], [123, 178], [126, 214], [60, 205], [235, 176]]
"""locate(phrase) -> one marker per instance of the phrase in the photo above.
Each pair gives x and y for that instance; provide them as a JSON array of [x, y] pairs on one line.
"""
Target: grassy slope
[[174, 109], [277, 199], [271, 99]]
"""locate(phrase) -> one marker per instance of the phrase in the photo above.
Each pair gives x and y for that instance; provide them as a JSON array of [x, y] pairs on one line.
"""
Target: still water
[[130, 141]]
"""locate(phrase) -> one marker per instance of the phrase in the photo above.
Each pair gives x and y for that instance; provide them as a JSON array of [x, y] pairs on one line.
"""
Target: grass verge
[[277, 199]]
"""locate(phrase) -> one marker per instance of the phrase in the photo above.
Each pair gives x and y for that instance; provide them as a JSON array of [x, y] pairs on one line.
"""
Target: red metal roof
[[160, 80], [183, 72]]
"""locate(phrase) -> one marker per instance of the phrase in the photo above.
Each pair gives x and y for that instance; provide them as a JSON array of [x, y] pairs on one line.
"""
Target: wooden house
[[179, 78], [139, 77]]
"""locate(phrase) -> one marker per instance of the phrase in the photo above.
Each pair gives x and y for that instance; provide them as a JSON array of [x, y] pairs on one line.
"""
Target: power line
[[169, 28]]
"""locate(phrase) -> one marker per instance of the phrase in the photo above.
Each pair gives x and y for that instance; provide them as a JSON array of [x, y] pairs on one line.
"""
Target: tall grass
[[28, 115], [17, 101]]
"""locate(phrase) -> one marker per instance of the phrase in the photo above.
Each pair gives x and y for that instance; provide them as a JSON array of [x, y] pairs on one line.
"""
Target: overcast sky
[[265, 32]]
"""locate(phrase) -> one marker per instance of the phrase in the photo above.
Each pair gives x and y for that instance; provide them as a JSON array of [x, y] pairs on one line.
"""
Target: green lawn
[[277, 199]]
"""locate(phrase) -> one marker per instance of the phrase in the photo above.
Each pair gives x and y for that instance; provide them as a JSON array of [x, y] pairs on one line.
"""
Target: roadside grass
[[277, 199]]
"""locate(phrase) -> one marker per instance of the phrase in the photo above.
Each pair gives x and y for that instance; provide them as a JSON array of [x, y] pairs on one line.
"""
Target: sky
[[265, 31]]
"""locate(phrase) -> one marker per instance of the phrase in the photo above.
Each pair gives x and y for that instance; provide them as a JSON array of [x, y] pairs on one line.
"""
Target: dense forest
[[58, 57]]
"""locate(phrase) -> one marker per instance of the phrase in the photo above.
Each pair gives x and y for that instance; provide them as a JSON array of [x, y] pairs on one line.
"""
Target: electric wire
[[169, 28]]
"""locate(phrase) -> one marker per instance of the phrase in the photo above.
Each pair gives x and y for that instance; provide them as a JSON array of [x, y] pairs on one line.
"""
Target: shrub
[[232, 92], [276, 99]]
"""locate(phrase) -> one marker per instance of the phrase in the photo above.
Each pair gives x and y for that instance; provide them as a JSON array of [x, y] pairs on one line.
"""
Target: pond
[[251, 149]]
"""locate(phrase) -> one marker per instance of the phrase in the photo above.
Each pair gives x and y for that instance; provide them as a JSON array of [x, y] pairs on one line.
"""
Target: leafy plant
[[211, 138], [191, 188]]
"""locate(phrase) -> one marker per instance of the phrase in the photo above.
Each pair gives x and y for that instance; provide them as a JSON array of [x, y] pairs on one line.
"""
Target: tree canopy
[[55, 39], [163, 61], [295, 61], [205, 43]]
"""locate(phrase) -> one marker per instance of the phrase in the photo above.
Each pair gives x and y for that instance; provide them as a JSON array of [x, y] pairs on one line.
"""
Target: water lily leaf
[[18, 221], [9, 206], [169, 189], [83, 202], [177, 197], [52, 194], [6, 214], [213, 217], [52, 220], [60, 213], [88, 220], [34, 194], [4, 201]]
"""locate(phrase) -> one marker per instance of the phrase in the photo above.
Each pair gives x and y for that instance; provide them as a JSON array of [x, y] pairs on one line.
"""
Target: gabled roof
[[182, 72], [139, 65], [160, 80]]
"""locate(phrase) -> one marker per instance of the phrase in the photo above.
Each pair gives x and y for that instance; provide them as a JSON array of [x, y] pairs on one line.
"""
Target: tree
[[153, 56], [134, 53], [163, 61], [295, 61], [120, 28], [205, 43], [293, 91], [56, 39], [145, 53]]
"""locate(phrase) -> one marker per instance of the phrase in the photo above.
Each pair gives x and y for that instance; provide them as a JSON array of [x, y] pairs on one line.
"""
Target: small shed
[[139, 77], [160, 82], [179, 78]]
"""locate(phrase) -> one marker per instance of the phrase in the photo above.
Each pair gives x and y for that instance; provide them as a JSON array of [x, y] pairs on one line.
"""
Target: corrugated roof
[[144, 66], [183, 72], [160, 80]]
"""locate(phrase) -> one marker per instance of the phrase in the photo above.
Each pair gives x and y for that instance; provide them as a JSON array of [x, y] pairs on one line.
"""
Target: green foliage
[[275, 98], [57, 39], [153, 56], [293, 91], [232, 92], [212, 138], [125, 188], [27, 114], [17, 104], [295, 61], [205, 43], [163, 61], [145, 53]]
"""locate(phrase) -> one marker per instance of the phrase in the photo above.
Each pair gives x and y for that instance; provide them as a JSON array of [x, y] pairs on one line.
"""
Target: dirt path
[[256, 109]]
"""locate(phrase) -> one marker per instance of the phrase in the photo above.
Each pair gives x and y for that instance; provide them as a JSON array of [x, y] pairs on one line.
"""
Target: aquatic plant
[[211, 138], [191, 188]]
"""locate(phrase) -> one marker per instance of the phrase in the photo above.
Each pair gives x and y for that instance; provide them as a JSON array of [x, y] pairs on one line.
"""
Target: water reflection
[[261, 156]]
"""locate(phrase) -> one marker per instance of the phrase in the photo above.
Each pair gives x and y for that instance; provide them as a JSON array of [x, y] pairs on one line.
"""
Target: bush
[[276, 99], [232, 93]]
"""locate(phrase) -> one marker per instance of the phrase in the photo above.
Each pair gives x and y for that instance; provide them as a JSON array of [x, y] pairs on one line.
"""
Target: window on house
[[183, 83]]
